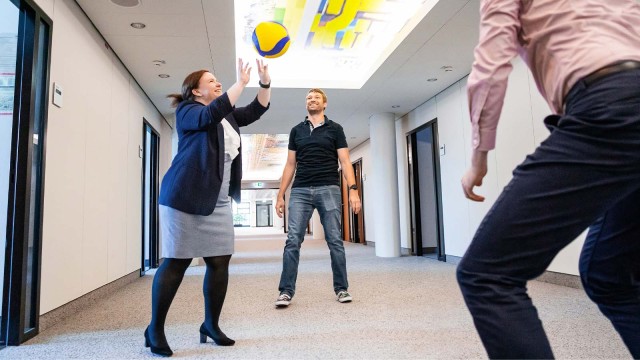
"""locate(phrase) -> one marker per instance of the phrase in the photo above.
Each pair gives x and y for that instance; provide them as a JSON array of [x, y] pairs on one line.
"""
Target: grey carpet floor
[[403, 308]]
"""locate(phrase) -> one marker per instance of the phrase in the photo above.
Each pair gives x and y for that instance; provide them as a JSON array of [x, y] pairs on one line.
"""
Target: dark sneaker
[[344, 296], [283, 300]]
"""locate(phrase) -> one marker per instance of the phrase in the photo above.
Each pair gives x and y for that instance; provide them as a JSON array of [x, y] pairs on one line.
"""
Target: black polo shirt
[[317, 153]]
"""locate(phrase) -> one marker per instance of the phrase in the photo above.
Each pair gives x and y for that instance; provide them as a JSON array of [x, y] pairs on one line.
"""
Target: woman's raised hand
[[244, 71], [242, 80], [263, 72]]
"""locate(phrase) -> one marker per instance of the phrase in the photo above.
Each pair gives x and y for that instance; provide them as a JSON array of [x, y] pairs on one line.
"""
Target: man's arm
[[287, 175], [487, 85], [347, 172]]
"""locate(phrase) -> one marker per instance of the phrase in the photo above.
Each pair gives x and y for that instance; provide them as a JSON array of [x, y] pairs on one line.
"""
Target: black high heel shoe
[[158, 350], [222, 341]]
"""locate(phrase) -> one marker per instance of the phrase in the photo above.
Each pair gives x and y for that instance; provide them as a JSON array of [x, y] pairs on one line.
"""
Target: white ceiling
[[199, 34]]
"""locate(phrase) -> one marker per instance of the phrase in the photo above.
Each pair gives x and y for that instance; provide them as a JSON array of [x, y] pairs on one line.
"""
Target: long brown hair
[[189, 83]]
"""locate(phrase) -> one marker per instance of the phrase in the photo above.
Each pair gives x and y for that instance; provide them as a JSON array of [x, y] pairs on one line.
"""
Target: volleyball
[[271, 39]]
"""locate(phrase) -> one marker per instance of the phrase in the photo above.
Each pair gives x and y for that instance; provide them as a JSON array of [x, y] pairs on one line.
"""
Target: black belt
[[611, 69]]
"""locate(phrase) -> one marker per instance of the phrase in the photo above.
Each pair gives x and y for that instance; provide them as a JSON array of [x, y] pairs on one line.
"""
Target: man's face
[[315, 103]]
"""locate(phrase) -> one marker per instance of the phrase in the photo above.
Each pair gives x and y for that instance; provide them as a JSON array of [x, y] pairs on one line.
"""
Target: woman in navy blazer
[[195, 210]]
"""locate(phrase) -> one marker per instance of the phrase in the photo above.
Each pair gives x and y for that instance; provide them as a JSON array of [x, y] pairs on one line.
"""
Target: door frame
[[414, 194], [347, 214], [154, 228], [27, 92]]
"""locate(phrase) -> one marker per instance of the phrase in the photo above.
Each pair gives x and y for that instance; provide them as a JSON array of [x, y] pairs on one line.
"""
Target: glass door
[[263, 214], [424, 192], [35, 191]]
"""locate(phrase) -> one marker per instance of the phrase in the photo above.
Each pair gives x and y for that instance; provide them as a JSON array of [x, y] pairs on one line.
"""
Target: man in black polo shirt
[[315, 147]]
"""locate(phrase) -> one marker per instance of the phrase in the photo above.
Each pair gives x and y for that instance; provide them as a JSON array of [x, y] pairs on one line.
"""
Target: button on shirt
[[561, 41], [311, 127]]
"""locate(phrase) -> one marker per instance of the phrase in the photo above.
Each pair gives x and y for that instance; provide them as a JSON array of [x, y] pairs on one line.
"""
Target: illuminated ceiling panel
[[334, 43]]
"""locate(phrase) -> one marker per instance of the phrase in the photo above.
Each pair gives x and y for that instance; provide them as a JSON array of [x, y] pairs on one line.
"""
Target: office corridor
[[403, 308]]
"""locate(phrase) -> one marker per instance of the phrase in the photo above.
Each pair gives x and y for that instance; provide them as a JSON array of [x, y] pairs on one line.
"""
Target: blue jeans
[[302, 201], [585, 174]]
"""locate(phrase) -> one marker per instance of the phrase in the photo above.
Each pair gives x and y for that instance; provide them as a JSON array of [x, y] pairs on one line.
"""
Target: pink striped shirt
[[560, 40]]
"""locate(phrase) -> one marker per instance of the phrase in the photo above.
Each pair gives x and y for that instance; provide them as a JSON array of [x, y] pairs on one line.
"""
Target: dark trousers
[[585, 174]]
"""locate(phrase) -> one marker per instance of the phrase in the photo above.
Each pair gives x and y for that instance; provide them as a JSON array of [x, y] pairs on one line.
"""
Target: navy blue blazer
[[193, 181]]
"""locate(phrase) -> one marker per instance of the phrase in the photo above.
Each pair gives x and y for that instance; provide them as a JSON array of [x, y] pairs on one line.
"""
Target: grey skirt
[[186, 236]]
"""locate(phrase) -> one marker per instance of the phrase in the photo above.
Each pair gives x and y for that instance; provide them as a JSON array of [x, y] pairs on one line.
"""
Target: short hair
[[319, 91]]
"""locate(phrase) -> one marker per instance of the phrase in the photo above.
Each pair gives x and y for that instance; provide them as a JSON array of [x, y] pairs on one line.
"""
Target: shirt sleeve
[[292, 140], [192, 116], [341, 139], [487, 84], [250, 113]]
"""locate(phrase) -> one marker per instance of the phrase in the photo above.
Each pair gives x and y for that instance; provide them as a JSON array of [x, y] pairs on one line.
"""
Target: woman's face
[[208, 88]]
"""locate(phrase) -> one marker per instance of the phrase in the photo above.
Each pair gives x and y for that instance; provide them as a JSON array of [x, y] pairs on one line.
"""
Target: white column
[[384, 185], [316, 226]]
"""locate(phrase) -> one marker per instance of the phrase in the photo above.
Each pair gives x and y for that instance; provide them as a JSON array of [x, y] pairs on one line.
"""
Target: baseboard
[[59, 314], [550, 277], [572, 281], [455, 260], [403, 251]]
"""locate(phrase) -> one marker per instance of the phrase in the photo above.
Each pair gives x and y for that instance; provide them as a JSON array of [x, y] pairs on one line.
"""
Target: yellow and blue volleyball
[[271, 39]]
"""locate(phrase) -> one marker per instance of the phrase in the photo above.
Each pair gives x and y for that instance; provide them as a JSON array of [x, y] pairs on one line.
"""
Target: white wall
[[404, 211], [92, 205], [520, 131]]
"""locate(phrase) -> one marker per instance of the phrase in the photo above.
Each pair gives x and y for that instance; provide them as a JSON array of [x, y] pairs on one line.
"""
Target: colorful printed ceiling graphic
[[334, 43]]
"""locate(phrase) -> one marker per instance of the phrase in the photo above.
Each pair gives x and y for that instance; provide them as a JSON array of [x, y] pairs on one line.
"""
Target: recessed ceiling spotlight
[[432, 79], [138, 25], [164, 76], [159, 62], [126, 3], [447, 68], [395, 106]]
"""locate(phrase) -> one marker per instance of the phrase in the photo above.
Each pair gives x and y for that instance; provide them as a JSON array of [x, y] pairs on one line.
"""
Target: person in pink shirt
[[585, 59]]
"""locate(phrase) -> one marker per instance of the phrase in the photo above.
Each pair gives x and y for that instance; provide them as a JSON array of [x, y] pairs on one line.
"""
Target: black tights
[[214, 289], [165, 285]]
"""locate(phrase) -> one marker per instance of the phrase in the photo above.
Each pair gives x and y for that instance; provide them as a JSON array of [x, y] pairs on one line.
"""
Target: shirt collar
[[308, 122]]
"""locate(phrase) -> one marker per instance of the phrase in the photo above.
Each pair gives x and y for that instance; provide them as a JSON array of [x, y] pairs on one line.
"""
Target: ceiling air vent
[[126, 3]]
